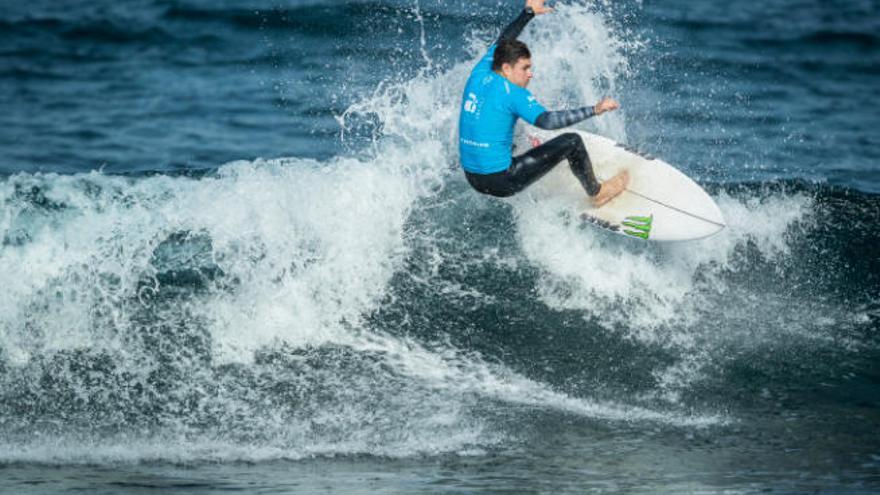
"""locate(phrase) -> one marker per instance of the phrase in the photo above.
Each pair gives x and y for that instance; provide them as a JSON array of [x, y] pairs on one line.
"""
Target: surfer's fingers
[[610, 103], [538, 6], [606, 105]]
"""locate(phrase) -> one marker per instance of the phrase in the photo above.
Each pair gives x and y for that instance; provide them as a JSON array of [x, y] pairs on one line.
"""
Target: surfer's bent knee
[[574, 139]]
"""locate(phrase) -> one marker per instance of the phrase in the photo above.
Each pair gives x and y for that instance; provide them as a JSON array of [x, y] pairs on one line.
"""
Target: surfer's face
[[519, 73]]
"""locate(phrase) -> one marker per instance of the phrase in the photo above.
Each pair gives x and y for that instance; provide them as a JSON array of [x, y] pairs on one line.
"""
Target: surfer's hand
[[606, 105], [538, 6]]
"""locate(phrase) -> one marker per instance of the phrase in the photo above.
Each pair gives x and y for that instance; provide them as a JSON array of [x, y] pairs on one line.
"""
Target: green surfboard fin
[[641, 226]]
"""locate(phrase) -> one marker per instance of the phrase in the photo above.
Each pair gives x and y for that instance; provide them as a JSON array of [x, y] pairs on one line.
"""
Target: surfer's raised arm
[[551, 120], [532, 8]]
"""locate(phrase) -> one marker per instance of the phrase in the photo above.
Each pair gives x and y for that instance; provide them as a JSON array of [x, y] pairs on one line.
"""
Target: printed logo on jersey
[[470, 105]]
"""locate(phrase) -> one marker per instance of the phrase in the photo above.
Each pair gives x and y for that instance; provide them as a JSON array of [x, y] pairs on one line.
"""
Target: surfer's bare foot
[[611, 188]]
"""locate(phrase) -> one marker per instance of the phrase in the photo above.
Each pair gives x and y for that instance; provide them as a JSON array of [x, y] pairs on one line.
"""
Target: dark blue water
[[237, 253]]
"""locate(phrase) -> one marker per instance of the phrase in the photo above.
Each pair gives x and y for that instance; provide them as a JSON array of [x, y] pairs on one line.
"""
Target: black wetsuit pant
[[525, 169]]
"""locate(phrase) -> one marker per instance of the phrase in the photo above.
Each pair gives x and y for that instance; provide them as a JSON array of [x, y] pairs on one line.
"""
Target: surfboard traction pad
[[639, 226]]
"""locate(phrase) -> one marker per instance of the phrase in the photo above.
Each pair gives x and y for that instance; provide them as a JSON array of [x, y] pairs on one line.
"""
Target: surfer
[[495, 96]]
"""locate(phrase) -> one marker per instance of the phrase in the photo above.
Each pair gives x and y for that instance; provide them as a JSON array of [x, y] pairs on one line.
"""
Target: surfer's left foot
[[611, 188]]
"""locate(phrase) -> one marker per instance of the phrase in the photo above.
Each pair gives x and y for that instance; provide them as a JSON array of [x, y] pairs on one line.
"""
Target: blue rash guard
[[490, 107]]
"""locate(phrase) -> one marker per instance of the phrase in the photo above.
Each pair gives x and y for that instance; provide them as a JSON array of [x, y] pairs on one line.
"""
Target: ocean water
[[238, 254]]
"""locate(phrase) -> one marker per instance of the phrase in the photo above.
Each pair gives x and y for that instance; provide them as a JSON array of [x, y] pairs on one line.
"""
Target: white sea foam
[[646, 286], [671, 295], [578, 59], [310, 246]]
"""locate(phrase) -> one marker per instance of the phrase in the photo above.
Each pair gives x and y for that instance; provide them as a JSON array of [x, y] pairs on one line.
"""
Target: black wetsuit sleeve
[[515, 28], [563, 118]]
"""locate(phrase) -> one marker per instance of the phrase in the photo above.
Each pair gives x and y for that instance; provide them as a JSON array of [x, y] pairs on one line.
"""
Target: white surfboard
[[659, 204]]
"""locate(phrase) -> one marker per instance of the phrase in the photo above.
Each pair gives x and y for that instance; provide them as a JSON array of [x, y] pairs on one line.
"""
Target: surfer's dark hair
[[509, 51]]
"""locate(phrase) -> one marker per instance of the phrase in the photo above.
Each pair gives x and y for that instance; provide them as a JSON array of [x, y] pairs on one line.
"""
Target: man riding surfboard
[[495, 96]]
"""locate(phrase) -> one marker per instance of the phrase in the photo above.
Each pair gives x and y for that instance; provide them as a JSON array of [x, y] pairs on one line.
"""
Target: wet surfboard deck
[[659, 204]]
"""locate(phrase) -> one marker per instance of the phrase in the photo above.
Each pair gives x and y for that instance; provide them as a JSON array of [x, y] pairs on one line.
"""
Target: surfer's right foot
[[611, 188]]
